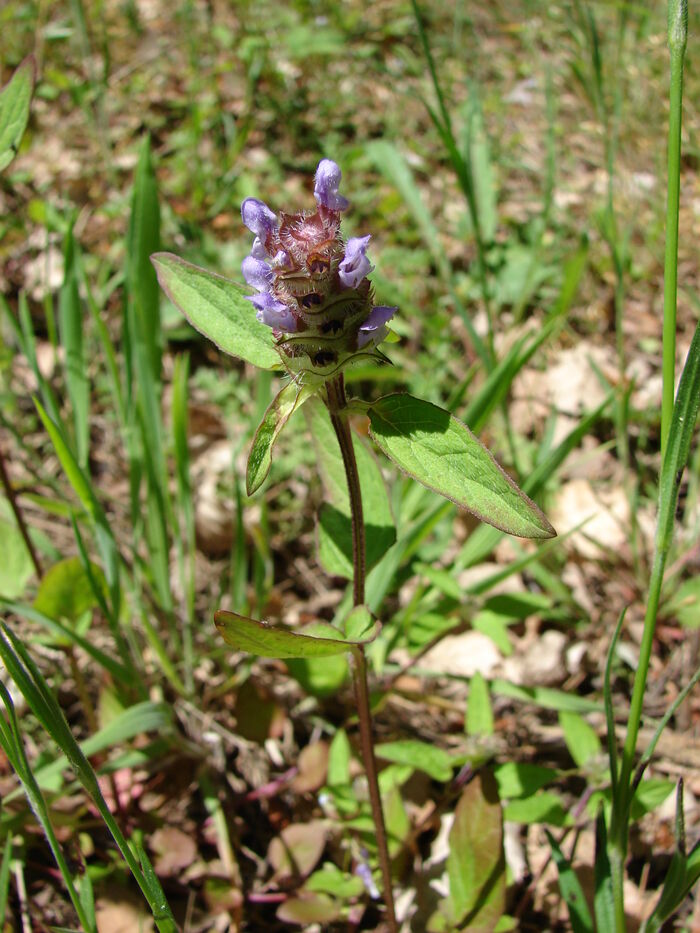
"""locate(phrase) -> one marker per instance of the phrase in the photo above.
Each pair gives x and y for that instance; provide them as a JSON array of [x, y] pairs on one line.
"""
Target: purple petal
[[258, 217], [256, 273], [273, 313], [281, 260], [355, 265], [258, 251], [374, 328], [326, 183]]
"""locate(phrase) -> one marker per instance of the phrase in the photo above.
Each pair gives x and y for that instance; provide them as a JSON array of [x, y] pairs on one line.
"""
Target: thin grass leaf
[[136, 720], [106, 544], [608, 701], [5, 878], [571, 890], [668, 715], [117, 671], [70, 318], [43, 704], [11, 741], [185, 532]]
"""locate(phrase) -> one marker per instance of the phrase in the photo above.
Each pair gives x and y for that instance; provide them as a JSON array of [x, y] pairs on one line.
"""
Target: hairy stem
[[337, 405]]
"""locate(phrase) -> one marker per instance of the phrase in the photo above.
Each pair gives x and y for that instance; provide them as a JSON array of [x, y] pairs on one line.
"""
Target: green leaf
[[430, 759], [16, 566], [603, 899], [581, 740], [329, 879], [649, 795], [70, 319], [297, 849], [136, 720], [334, 525], [475, 864], [217, 308], [479, 711], [260, 638], [65, 591], [321, 677], [546, 697], [308, 908], [14, 110], [521, 779], [540, 808], [339, 755], [685, 603], [275, 418], [685, 413], [433, 447], [571, 890]]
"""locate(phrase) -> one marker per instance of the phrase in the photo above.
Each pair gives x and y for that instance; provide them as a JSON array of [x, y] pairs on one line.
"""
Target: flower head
[[312, 287]]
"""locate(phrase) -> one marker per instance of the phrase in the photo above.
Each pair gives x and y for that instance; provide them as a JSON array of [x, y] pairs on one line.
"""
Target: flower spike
[[312, 287]]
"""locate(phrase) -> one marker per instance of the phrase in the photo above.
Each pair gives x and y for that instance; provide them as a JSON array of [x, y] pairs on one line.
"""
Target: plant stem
[[337, 402], [677, 38]]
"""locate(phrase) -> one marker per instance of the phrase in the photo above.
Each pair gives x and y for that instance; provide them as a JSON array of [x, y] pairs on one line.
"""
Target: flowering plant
[[315, 315]]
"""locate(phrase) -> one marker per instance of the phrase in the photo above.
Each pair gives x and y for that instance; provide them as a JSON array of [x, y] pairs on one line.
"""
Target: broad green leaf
[[545, 807], [308, 909], [334, 525], [339, 755], [430, 759], [476, 865], [398, 824], [685, 603], [581, 740], [571, 890], [275, 418], [433, 447], [217, 308], [321, 677], [521, 779], [547, 697], [329, 879], [479, 711], [65, 591], [297, 849], [14, 110], [650, 795], [16, 566], [268, 641]]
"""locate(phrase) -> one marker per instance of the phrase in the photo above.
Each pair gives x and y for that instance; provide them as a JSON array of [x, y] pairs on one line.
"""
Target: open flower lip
[[312, 284]]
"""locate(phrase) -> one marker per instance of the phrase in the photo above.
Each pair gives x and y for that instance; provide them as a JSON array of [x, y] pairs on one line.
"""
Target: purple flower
[[355, 265], [311, 283], [256, 273], [258, 217], [374, 327], [326, 183], [274, 313]]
